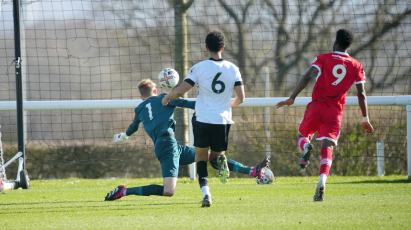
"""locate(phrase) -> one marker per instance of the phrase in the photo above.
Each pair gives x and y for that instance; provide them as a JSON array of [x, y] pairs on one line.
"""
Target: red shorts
[[319, 116]]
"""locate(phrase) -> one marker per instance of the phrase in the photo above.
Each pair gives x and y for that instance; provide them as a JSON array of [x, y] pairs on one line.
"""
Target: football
[[168, 78], [268, 177]]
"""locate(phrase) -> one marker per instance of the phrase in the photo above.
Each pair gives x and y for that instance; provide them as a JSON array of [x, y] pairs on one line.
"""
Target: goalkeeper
[[160, 126]]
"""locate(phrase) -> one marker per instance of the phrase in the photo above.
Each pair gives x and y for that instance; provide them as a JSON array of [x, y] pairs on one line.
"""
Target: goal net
[[100, 50]]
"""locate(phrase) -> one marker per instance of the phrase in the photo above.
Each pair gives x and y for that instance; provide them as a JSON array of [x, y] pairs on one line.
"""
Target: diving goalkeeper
[[160, 126]]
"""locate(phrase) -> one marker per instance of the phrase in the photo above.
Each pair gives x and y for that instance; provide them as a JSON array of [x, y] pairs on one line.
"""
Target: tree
[[303, 29], [142, 40], [180, 56]]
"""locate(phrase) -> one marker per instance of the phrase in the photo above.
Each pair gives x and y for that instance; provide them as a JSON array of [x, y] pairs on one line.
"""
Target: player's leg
[[325, 165], [308, 126], [148, 190], [188, 157], [169, 184], [166, 149], [167, 152], [201, 133], [168, 187], [235, 166], [328, 134], [307, 148], [218, 146], [202, 159], [222, 165]]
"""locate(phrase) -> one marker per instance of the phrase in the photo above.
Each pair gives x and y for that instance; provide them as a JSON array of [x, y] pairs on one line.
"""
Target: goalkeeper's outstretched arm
[[133, 126], [180, 102], [131, 129]]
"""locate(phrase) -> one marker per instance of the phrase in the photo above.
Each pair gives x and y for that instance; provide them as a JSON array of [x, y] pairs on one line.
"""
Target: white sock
[[306, 145], [205, 190], [323, 177], [124, 193]]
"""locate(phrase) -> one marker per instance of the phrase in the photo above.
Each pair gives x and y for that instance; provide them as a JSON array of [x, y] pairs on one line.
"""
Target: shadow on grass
[[117, 207], [94, 201]]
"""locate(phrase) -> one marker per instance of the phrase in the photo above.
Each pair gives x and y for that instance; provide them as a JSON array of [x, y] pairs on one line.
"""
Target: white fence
[[131, 104], [249, 102]]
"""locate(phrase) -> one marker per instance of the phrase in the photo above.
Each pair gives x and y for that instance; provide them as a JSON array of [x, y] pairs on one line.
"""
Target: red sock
[[326, 160], [301, 142]]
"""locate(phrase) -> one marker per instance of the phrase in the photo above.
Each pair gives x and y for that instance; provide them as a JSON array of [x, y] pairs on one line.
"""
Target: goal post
[[409, 141], [12, 184], [131, 104], [249, 102]]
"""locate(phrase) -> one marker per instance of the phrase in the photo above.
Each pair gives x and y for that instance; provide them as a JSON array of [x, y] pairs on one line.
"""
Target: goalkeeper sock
[[235, 166], [302, 141], [203, 177], [148, 190], [326, 161]]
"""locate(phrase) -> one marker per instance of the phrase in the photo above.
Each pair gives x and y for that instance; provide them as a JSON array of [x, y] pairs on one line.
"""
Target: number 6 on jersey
[[216, 82]]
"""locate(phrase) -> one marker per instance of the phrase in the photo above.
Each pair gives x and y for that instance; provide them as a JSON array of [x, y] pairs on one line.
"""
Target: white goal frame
[[249, 102]]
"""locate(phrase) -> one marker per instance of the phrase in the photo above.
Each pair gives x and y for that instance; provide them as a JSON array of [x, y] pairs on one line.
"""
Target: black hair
[[344, 38], [215, 41]]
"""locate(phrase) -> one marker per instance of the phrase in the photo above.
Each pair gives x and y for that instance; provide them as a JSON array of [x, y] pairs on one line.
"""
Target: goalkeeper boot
[[305, 158], [223, 171], [117, 193], [258, 171], [319, 191], [206, 201]]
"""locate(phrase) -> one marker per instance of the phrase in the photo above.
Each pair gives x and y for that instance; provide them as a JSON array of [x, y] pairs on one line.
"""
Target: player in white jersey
[[216, 80]]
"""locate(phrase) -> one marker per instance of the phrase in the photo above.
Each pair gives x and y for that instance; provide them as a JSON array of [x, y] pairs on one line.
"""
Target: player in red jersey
[[335, 73]]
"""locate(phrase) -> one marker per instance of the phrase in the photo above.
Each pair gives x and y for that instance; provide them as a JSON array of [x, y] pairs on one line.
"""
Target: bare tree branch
[[187, 5], [388, 26], [245, 9]]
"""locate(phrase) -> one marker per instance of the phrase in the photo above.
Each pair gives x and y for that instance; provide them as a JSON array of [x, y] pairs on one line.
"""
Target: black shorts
[[214, 136]]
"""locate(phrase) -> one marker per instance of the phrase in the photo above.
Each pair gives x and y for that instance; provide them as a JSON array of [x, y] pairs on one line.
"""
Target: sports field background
[[101, 49], [350, 203]]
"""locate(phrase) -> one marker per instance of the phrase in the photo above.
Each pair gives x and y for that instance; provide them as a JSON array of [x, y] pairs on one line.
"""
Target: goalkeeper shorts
[[171, 155]]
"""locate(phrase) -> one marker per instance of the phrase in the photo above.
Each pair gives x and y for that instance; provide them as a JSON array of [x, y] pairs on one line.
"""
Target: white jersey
[[216, 80]]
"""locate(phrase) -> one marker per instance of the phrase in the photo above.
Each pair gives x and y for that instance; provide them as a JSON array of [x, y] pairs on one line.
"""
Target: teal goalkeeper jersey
[[157, 119]]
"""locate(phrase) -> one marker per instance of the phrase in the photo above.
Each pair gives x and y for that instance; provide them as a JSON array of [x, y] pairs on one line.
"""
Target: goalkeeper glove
[[367, 125], [119, 138]]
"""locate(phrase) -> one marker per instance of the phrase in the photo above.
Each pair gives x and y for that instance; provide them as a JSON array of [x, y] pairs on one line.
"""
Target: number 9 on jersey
[[339, 71]]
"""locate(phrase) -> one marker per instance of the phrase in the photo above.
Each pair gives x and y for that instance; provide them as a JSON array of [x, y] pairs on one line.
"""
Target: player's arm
[[239, 96], [362, 101], [180, 102], [178, 92], [131, 129], [312, 72]]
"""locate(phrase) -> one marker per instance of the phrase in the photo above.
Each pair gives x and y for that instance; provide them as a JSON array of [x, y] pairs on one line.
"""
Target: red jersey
[[338, 71]]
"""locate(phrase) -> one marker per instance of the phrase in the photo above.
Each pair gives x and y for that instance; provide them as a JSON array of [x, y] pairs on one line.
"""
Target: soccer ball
[[268, 177], [168, 78]]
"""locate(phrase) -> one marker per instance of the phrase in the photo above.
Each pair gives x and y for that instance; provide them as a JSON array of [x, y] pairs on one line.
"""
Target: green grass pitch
[[350, 203]]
